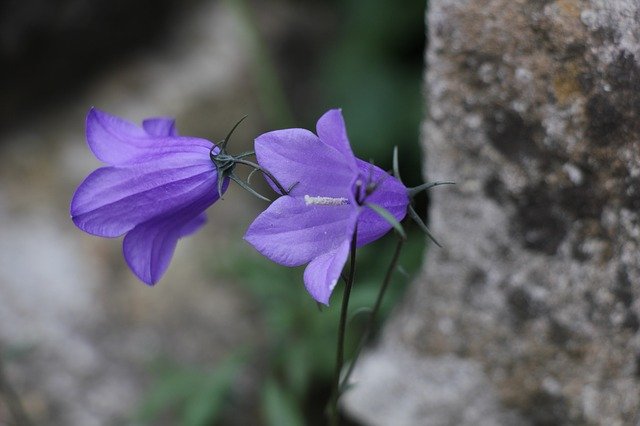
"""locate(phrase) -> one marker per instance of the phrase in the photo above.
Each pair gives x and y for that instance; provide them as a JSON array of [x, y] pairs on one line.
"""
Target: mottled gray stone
[[534, 109], [395, 386]]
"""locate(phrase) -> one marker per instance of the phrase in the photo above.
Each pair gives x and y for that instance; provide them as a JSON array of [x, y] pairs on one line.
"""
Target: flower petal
[[160, 126], [112, 200], [297, 156], [323, 273], [390, 194], [119, 142], [333, 132], [148, 248], [292, 233], [197, 223]]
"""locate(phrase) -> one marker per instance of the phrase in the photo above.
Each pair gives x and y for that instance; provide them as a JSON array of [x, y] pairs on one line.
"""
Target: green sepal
[[386, 215], [417, 189], [225, 141], [416, 219]]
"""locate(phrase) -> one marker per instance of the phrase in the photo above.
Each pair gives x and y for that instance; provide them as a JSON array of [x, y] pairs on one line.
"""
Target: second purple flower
[[314, 223]]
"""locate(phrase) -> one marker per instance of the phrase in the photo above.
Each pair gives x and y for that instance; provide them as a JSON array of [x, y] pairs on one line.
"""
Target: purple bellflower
[[154, 190], [316, 220]]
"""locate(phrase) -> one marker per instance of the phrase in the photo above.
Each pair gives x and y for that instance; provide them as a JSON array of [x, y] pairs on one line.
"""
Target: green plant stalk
[[264, 172], [373, 314], [335, 393]]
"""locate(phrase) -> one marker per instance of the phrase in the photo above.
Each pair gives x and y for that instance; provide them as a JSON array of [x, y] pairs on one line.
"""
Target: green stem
[[248, 188], [245, 154], [264, 172], [374, 312], [335, 394]]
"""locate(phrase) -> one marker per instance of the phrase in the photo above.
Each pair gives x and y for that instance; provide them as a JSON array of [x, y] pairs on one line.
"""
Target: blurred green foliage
[[298, 350], [192, 395], [374, 72], [301, 338]]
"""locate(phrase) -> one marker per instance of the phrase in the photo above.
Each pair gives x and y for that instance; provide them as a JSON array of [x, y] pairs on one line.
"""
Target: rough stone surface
[[534, 109], [427, 389]]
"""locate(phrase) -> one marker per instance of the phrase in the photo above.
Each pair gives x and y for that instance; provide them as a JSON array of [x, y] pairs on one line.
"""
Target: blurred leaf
[[280, 408], [297, 368], [15, 352], [206, 405], [374, 71], [169, 390], [198, 396], [300, 341]]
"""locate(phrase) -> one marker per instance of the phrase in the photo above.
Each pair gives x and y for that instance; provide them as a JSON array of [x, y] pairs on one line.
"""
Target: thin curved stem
[[335, 394], [264, 172], [245, 154], [225, 141], [373, 314], [248, 188]]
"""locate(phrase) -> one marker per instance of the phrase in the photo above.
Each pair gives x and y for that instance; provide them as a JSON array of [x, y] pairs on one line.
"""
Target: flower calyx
[[226, 163]]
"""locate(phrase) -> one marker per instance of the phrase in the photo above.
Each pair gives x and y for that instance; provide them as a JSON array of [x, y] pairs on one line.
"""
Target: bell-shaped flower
[[316, 220], [154, 190]]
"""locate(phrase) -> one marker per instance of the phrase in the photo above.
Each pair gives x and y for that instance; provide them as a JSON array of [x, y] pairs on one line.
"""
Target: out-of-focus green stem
[[271, 94], [374, 313], [334, 414]]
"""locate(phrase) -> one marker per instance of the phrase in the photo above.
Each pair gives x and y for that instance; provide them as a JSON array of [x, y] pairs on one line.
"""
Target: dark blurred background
[[226, 337], [364, 56]]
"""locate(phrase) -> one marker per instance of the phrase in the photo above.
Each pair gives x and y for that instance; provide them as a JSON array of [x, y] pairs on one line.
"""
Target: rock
[[430, 390], [534, 109]]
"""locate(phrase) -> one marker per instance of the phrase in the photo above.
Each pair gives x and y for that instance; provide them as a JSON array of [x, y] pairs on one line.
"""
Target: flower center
[[325, 201]]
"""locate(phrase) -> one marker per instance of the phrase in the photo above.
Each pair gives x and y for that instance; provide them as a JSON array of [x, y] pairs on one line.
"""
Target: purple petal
[[322, 274], [333, 132], [390, 194], [297, 156], [292, 233], [119, 142], [160, 126], [194, 225], [112, 200], [148, 248]]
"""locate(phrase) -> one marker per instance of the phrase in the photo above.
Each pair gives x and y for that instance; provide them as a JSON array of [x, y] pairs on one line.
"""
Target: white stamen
[[325, 201]]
